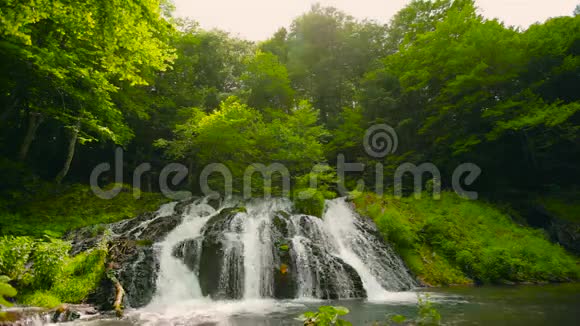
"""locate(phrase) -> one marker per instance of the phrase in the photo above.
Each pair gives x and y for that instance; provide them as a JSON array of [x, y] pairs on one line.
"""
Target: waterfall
[[175, 282], [376, 263], [264, 250]]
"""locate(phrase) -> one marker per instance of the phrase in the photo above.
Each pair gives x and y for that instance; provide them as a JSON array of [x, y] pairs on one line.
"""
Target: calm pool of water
[[514, 305]]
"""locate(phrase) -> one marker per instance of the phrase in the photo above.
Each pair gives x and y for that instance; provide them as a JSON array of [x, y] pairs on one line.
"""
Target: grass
[[455, 241], [54, 211]]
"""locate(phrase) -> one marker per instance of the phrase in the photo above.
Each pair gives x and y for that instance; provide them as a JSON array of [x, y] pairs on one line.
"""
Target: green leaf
[[398, 319], [342, 322], [341, 311]]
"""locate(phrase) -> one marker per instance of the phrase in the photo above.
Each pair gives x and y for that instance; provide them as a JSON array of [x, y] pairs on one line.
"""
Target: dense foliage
[[453, 241], [455, 86]]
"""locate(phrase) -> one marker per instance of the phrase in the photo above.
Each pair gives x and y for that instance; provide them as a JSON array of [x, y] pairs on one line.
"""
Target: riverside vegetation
[[83, 78]]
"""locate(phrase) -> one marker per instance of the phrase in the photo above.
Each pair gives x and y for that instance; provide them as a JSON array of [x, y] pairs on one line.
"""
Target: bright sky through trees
[[259, 19]]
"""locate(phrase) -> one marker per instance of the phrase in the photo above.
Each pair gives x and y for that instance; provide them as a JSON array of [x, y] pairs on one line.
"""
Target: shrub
[[46, 275], [14, 254], [427, 314], [310, 200], [48, 260]]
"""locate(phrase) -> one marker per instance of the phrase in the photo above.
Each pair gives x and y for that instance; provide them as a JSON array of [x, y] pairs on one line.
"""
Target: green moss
[[454, 241], [40, 299], [240, 209], [284, 247], [144, 242], [6, 291]]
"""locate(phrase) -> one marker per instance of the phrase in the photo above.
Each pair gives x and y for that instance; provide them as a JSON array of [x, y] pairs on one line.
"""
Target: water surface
[[513, 305]]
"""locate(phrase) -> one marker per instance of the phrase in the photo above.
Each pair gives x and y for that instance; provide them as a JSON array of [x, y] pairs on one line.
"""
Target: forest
[[84, 80]]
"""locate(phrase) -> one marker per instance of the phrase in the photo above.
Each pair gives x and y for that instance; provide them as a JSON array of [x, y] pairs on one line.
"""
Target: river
[[506, 305]]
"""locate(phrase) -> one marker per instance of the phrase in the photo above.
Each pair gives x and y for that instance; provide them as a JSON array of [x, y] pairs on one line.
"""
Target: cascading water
[[250, 257], [376, 263], [265, 251], [175, 281]]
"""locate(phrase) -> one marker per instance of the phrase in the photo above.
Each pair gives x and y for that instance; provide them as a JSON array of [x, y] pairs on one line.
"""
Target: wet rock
[[64, 314], [132, 260], [159, 228], [34, 315], [189, 251], [284, 272], [221, 259], [284, 275], [566, 233], [335, 278], [136, 268], [126, 227], [281, 224]]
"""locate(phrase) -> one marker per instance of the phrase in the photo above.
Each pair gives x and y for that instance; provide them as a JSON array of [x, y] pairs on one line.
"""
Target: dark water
[[514, 305]]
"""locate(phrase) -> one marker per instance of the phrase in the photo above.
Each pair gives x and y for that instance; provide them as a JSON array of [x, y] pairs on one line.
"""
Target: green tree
[[267, 83], [238, 136], [418, 17], [328, 52], [277, 45], [78, 51]]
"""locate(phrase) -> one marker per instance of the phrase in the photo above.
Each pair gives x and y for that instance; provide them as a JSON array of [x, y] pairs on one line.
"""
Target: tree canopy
[[455, 86]]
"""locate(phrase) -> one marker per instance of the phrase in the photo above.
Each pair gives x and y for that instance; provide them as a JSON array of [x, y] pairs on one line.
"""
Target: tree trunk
[[8, 112], [71, 152], [530, 149], [35, 119]]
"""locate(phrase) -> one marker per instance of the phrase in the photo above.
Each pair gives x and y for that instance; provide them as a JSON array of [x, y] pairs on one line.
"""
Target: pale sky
[[258, 19]]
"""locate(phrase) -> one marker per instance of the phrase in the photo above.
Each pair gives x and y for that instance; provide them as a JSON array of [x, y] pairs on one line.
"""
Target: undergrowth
[[52, 210], [45, 275], [455, 241]]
